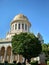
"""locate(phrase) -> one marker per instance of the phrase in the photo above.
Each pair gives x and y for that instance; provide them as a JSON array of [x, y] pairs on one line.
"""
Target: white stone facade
[[19, 24]]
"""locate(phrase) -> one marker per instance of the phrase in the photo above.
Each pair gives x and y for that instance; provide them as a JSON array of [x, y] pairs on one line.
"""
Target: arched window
[[15, 26], [19, 26], [22, 26]]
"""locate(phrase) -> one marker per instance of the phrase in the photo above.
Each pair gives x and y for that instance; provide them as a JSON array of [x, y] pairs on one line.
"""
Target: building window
[[15, 26], [25, 26], [19, 26], [22, 26]]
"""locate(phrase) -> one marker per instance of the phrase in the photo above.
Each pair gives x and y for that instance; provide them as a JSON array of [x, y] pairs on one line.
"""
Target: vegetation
[[47, 62], [26, 44], [34, 63], [45, 49]]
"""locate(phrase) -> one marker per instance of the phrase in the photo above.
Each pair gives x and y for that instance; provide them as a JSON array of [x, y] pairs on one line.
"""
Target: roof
[[20, 17]]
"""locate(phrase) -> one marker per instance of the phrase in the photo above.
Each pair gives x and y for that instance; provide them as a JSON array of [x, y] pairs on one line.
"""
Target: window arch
[[22, 25], [15, 26], [2, 51], [19, 26]]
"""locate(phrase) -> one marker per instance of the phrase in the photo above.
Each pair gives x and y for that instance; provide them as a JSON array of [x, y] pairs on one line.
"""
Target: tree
[[40, 37], [48, 51], [26, 44], [45, 49]]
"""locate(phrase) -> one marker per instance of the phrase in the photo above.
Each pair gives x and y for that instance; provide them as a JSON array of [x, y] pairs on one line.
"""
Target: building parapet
[[5, 40]]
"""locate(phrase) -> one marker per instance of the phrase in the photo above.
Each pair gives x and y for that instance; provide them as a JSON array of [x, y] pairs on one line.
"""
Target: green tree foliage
[[45, 49], [26, 44], [48, 50]]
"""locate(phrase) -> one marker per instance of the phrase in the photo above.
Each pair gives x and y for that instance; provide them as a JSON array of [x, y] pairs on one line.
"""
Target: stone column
[[17, 26], [17, 58], [11, 57], [23, 59], [20, 58], [0, 55], [24, 26], [27, 28], [5, 55], [21, 26]]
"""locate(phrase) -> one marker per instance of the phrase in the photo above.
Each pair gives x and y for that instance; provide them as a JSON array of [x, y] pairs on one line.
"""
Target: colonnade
[[7, 55]]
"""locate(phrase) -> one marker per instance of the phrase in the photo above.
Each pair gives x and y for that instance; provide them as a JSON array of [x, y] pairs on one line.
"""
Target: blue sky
[[37, 12]]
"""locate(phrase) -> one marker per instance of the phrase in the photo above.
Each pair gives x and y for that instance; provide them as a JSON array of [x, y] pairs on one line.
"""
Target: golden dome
[[20, 16]]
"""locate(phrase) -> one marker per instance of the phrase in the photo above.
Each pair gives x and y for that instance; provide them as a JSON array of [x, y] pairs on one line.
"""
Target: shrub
[[23, 63], [1, 63], [47, 62], [11, 64], [34, 63], [7, 64]]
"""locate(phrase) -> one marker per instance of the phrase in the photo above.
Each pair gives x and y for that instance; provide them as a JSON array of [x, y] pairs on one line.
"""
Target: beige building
[[20, 23]]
